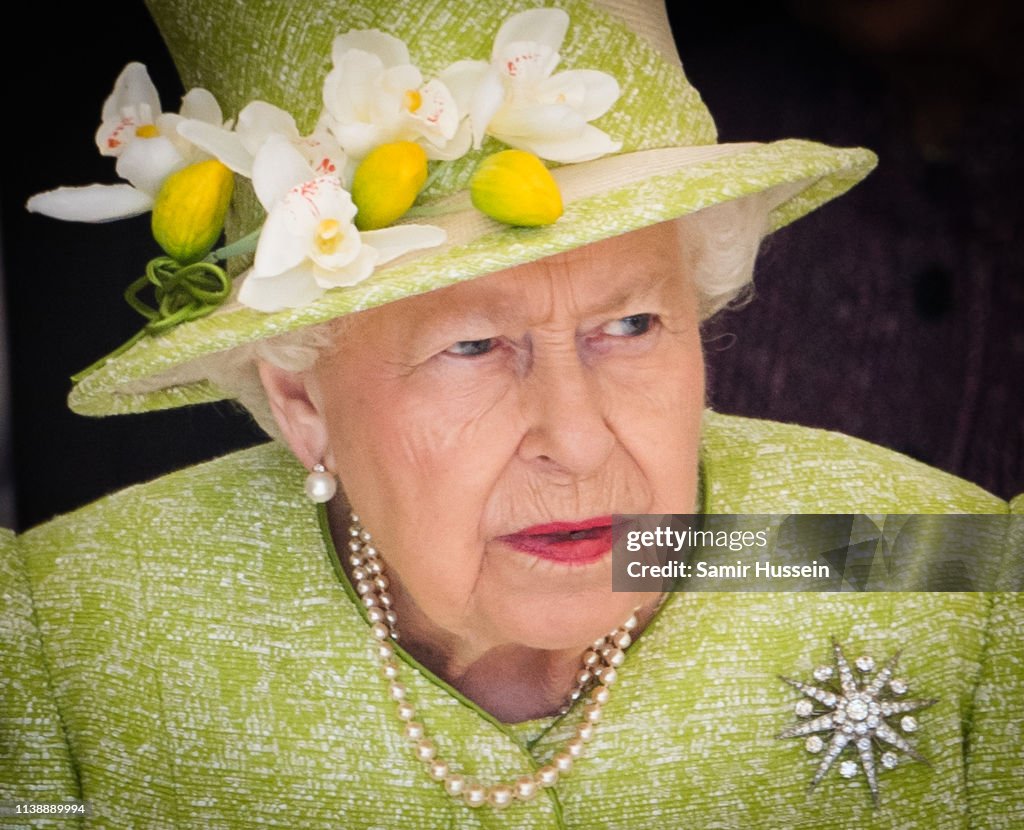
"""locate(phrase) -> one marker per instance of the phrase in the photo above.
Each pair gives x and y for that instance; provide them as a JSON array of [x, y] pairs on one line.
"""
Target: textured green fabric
[[35, 762], [192, 644], [280, 52]]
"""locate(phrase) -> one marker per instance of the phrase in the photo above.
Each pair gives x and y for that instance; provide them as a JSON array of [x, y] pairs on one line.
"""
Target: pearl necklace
[[599, 670]]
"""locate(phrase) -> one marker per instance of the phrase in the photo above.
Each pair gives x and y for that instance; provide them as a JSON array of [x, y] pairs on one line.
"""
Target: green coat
[[186, 653]]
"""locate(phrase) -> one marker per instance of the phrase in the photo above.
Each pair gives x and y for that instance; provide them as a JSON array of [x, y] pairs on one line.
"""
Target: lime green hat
[[647, 153]]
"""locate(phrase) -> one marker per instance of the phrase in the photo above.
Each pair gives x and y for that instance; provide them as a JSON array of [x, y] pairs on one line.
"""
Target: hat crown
[[280, 52]]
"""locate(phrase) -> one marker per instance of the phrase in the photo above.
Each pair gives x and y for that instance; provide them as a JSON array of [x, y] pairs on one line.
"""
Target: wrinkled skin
[[560, 390]]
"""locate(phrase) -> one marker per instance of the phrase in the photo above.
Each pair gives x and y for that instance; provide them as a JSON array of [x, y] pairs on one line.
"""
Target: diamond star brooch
[[855, 710]]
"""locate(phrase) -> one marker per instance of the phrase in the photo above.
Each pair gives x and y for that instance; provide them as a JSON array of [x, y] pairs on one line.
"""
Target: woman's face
[[465, 422]]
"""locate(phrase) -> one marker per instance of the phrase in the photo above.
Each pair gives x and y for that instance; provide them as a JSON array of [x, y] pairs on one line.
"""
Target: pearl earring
[[320, 484]]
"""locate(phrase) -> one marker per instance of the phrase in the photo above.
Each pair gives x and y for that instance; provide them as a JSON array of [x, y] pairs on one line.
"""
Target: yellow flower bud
[[189, 212], [387, 182], [515, 187]]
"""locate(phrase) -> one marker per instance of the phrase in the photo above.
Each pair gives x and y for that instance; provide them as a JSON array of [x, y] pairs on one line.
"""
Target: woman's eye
[[472, 348], [632, 326]]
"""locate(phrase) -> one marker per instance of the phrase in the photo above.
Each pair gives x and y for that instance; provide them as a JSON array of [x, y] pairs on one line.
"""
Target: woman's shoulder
[[751, 465], [222, 480], [212, 540], [221, 499]]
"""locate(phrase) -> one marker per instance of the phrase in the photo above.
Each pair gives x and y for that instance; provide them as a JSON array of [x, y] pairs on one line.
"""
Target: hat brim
[[603, 198]]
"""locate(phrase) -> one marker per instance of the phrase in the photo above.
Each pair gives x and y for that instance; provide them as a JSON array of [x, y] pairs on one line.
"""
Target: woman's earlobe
[[298, 413]]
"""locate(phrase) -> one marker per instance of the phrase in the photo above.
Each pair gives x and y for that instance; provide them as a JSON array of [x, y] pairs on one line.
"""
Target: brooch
[[854, 710]]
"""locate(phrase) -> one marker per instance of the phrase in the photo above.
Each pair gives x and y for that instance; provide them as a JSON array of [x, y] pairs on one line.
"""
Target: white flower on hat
[[309, 243], [518, 100], [145, 143], [256, 122], [374, 96]]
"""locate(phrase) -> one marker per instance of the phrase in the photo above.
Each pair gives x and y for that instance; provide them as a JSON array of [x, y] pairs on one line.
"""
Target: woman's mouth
[[573, 543]]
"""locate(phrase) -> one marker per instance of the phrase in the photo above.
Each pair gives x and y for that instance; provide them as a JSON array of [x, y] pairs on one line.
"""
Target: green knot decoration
[[181, 292]]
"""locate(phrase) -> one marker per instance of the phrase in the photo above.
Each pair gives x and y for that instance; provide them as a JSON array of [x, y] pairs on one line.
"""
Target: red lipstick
[[572, 543]]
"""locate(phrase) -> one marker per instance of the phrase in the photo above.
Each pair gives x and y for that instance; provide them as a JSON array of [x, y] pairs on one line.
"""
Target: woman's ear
[[296, 408]]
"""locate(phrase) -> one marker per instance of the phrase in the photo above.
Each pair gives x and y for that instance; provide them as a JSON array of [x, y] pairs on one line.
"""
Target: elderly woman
[[401, 613]]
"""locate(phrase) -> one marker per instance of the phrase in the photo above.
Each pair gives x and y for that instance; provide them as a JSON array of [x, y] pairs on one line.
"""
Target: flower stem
[[245, 245]]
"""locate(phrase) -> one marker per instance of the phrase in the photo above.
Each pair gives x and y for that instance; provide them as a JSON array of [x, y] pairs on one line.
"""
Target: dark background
[[895, 314]]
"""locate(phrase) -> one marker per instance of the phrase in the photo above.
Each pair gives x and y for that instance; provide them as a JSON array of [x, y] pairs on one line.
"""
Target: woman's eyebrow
[[632, 293], [629, 293], [452, 322], [504, 307]]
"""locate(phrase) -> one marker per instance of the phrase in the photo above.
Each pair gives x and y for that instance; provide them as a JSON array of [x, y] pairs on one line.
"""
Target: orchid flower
[[518, 100], [374, 96], [309, 242], [256, 122], [145, 143]]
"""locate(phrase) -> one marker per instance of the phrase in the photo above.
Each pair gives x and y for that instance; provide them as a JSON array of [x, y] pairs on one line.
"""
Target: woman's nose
[[564, 408]]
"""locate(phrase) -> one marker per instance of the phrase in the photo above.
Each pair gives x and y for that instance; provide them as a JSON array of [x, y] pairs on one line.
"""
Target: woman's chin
[[573, 622]]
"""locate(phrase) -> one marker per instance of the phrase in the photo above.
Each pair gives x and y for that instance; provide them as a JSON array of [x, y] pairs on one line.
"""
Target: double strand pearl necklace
[[598, 671]]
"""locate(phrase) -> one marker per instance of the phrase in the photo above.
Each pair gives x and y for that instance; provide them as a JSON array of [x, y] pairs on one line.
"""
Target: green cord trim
[[92, 367], [182, 292]]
